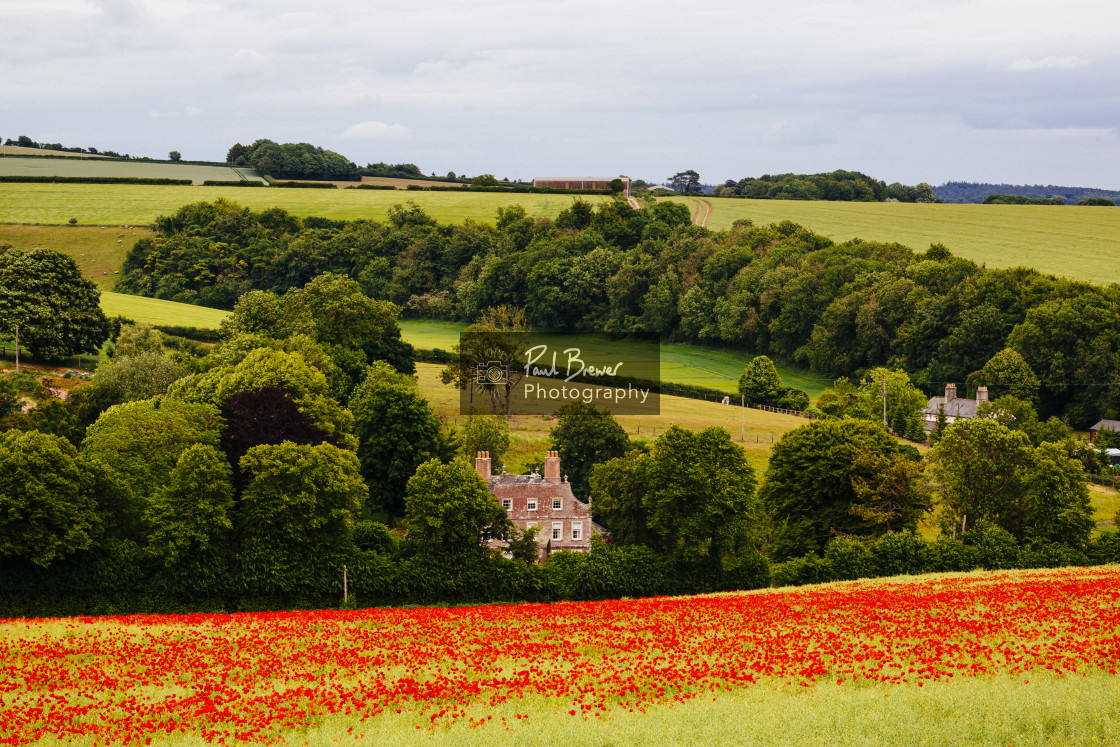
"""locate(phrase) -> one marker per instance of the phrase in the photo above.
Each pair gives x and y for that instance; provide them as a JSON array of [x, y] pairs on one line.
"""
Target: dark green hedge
[[306, 185], [199, 334], [240, 183], [92, 180]]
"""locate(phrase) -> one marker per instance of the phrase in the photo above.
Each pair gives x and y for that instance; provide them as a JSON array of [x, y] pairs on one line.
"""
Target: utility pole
[[17, 347], [885, 405], [345, 594]]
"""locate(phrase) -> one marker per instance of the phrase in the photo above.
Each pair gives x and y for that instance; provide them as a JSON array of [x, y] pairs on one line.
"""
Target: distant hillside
[[976, 192]]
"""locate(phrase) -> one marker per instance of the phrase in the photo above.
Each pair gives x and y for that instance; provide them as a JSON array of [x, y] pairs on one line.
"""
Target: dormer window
[[557, 504], [531, 504]]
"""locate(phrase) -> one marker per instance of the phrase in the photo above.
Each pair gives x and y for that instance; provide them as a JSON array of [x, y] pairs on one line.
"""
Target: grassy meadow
[[1082, 243], [988, 658], [98, 250], [157, 311]]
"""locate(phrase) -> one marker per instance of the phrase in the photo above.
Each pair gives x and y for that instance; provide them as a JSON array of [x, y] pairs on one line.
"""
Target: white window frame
[[577, 530], [557, 504], [557, 530], [507, 503], [531, 504]]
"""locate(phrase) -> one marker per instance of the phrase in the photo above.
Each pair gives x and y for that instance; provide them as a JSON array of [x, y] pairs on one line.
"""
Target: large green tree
[[58, 311], [143, 440], [397, 431], [191, 517], [48, 498], [977, 468], [760, 383], [449, 509], [809, 492], [585, 436]]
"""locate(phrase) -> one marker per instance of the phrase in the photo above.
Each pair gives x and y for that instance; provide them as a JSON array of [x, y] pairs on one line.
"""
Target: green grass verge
[[1076, 242], [126, 204], [157, 311]]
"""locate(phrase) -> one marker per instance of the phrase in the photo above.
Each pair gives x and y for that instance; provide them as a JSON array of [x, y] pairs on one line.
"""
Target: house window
[[557, 530], [507, 504], [531, 504], [577, 530], [557, 504]]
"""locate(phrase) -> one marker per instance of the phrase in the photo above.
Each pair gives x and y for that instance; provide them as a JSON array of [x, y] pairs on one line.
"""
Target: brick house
[[956, 408], [545, 501]]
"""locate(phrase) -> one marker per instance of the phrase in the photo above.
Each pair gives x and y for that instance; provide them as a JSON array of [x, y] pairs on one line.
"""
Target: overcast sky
[[1013, 91]]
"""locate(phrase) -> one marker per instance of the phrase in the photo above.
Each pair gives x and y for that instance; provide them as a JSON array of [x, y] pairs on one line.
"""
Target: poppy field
[[1020, 657]]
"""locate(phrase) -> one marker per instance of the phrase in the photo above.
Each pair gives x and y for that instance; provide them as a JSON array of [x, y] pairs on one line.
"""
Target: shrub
[[848, 560], [800, 571], [995, 547], [945, 555], [898, 553]]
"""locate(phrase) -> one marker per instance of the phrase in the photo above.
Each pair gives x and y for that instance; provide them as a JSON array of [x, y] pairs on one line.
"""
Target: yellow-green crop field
[[118, 204], [1082, 243]]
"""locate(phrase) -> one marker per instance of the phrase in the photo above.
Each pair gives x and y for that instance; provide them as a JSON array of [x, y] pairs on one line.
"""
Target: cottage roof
[[954, 408], [1107, 425]]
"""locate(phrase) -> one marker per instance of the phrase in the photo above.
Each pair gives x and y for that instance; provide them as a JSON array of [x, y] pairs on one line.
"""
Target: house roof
[[954, 408], [1107, 425]]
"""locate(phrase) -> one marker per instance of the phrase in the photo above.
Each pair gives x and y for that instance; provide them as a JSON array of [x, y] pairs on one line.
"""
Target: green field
[[98, 250], [1076, 242], [142, 169], [685, 364], [118, 204], [156, 311]]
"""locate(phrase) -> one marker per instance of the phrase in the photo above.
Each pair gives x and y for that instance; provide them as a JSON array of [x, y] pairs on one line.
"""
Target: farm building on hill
[[1104, 425], [955, 408], [544, 501], [581, 182]]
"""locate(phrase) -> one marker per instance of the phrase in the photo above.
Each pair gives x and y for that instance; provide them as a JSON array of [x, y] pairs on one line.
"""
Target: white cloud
[[374, 130], [190, 111], [1048, 63]]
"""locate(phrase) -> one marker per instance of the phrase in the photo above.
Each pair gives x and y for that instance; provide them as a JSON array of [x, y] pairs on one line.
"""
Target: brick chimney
[[552, 466], [981, 394], [950, 392], [482, 464]]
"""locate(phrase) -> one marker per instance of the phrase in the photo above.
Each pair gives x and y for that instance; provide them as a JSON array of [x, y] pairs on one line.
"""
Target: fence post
[[345, 591]]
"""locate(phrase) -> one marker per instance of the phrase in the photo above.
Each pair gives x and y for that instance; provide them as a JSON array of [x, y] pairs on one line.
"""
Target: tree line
[[838, 308]]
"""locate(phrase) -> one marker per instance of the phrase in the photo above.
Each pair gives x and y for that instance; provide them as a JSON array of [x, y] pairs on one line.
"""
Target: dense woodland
[[978, 192], [840, 309]]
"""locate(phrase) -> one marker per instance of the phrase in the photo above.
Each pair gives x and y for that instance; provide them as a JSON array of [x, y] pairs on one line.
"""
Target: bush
[[995, 547], [899, 553], [751, 570], [847, 560], [609, 572], [945, 555], [1050, 555], [800, 571]]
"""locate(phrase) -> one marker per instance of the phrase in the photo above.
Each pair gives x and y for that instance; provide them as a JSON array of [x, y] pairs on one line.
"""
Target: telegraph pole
[[885, 405]]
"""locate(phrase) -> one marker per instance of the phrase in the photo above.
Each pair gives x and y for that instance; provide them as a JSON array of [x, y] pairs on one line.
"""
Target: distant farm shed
[[581, 182]]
